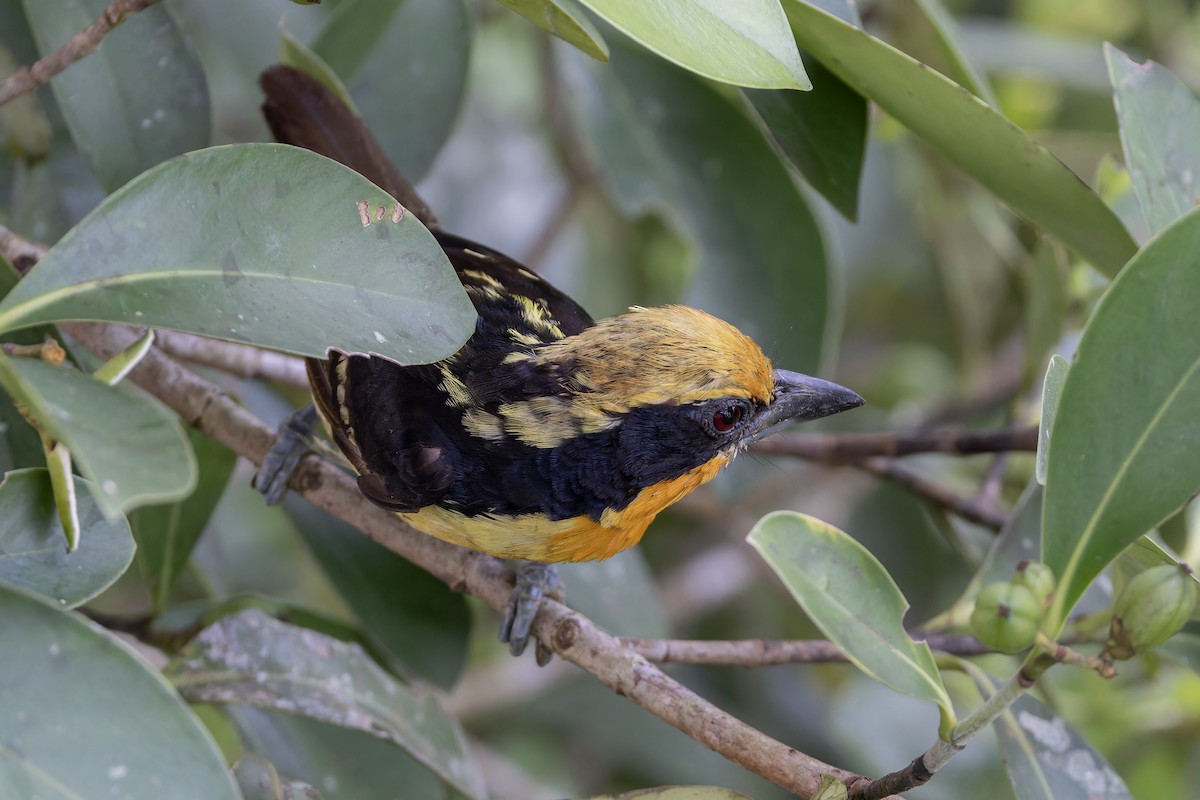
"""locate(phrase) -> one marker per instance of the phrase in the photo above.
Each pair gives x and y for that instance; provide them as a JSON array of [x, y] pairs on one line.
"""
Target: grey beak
[[799, 398]]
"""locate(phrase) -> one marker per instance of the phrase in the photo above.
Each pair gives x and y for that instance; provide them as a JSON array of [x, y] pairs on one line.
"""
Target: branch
[[237, 359], [875, 452], [841, 448], [569, 634], [78, 46], [764, 652], [969, 509]]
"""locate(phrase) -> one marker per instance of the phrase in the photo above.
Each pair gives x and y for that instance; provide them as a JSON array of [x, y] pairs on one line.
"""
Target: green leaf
[[1047, 759], [295, 54], [1052, 385], [969, 133], [929, 31], [669, 143], [259, 243], [417, 622], [397, 56], [166, 534], [823, 133], [85, 717], [32, 553], [1159, 119], [564, 19], [352, 764], [253, 659], [1044, 288], [129, 445], [352, 31], [831, 788], [62, 487], [120, 365], [122, 131], [52, 194], [853, 600], [1125, 445], [745, 43]]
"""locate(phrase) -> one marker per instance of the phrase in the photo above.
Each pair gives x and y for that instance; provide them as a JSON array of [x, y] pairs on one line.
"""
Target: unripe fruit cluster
[[1007, 613], [1151, 609]]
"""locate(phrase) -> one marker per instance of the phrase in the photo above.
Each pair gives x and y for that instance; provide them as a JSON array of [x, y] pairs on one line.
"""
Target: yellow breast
[[533, 537]]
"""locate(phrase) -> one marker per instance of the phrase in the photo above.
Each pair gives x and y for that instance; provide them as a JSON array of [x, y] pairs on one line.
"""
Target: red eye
[[727, 417]]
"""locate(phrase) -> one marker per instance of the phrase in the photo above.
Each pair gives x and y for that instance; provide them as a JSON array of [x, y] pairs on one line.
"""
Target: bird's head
[[682, 379]]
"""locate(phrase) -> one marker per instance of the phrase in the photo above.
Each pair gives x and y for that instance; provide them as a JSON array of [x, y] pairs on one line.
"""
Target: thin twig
[[569, 634], [78, 46], [834, 448], [969, 509], [237, 359], [763, 652]]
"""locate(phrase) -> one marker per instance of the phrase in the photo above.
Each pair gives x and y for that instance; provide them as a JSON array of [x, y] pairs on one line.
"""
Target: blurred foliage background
[[938, 318]]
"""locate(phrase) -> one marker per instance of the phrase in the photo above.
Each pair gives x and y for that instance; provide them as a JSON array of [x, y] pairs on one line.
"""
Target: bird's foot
[[534, 582], [291, 444]]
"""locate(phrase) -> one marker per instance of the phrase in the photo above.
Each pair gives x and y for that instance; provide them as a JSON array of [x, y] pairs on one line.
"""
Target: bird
[[548, 437]]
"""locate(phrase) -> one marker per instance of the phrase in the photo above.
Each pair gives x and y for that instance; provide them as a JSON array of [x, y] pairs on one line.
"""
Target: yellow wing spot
[[537, 316], [521, 338], [483, 425], [544, 422], [477, 254], [486, 292], [342, 369], [482, 277], [456, 391]]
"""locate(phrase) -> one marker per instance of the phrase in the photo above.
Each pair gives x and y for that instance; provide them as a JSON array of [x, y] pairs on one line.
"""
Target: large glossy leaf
[[669, 143], [822, 132], [1159, 119], [167, 533], [414, 620], [1125, 446], [1052, 385], [969, 133], [33, 552], [848, 594], [745, 43], [1047, 759], [253, 659], [405, 64], [344, 763], [139, 99], [84, 717], [565, 20], [130, 446], [259, 243], [927, 30]]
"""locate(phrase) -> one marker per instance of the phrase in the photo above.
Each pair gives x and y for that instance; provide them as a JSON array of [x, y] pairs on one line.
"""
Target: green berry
[[1006, 617], [1038, 577], [1151, 609]]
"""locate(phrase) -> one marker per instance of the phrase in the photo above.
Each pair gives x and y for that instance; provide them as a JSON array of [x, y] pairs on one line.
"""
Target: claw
[[534, 581], [290, 446]]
